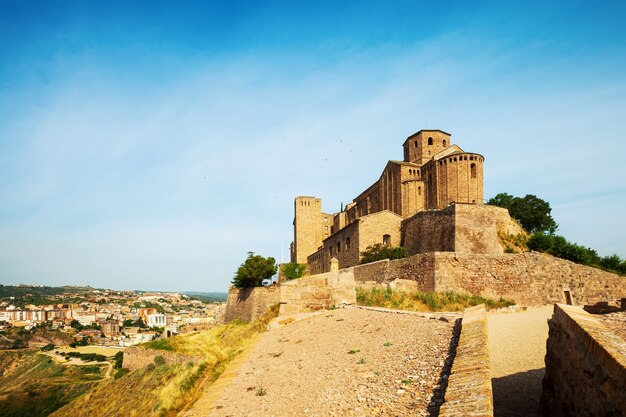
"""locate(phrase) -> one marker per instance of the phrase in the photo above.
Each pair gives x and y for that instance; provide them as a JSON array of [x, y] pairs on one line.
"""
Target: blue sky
[[152, 145]]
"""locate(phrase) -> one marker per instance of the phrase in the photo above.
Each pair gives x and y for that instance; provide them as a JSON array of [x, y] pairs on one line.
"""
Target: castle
[[401, 208]]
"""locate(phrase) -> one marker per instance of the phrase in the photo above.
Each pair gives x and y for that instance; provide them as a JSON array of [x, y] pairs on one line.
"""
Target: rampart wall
[[527, 278], [248, 304], [585, 367], [317, 292], [469, 390]]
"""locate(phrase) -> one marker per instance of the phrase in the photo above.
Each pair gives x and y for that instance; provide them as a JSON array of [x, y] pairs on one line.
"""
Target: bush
[[560, 247], [119, 359], [293, 270], [378, 252], [120, 373], [48, 347]]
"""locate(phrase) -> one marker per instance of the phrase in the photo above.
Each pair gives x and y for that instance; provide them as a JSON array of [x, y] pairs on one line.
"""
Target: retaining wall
[[469, 385], [318, 292], [248, 304], [585, 367], [528, 278]]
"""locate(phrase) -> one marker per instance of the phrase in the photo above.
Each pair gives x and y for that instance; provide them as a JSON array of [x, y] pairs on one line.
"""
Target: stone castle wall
[[418, 269], [468, 228], [528, 278], [248, 304], [585, 367], [317, 292]]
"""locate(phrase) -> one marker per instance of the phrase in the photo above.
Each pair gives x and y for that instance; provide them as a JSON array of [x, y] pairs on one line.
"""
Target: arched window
[[416, 144], [444, 143], [473, 170], [419, 190], [430, 141], [386, 240]]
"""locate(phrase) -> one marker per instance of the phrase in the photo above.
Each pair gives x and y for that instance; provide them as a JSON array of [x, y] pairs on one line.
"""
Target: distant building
[[110, 328], [156, 320]]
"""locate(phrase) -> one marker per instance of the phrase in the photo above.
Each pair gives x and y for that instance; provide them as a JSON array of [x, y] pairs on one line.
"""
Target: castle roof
[[426, 130], [448, 151]]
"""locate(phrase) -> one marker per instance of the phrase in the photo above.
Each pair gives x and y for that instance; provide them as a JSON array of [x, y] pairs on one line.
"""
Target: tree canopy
[[293, 270], [378, 252], [254, 270], [533, 213]]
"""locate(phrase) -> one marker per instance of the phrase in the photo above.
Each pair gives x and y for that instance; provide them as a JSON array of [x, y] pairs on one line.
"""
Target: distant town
[[88, 316]]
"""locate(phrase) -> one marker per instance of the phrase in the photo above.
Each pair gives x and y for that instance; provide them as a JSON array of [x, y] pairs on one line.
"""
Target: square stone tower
[[420, 147]]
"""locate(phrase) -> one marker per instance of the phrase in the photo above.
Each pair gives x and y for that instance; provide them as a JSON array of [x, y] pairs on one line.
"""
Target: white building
[[155, 320]]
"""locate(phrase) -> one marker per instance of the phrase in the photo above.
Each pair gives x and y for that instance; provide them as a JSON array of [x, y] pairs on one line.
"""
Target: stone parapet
[[469, 385], [248, 304], [317, 292], [585, 366]]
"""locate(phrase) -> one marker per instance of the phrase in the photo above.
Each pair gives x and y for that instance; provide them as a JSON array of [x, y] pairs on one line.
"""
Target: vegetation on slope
[[34, 385], [559, 246], [534, 214], [162, 389], [425, 301]]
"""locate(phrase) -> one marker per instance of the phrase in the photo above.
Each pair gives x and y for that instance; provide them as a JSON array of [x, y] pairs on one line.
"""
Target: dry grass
[[162, 389], [425, 301]]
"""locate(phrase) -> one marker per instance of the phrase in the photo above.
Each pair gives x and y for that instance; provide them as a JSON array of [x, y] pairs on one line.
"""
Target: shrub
[[378, 252], [293, 270]]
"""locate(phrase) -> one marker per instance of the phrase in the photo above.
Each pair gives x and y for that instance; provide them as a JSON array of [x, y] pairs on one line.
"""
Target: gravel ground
[[517, 347], [615, 322], [348, 362]]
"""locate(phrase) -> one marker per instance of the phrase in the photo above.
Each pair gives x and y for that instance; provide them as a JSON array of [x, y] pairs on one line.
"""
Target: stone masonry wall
[[248, 304], [317, 292], [136, 357], [469, 385], [476, 228], [418, 269], [585, 367], [429, 231], [528, 278]]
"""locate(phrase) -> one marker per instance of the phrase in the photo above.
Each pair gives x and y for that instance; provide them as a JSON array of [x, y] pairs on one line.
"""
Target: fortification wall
[[136, 357], [429, 231], [468, 228], [418, 269], [317, 292], [585, 367], [469, 390], [248, 304], [528, 278]]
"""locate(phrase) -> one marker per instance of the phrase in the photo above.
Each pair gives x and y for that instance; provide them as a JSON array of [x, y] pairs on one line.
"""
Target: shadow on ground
[[518, 395]]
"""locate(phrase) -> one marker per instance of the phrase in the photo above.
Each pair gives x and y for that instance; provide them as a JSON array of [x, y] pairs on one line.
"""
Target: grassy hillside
[[162, 389], [33, 384]]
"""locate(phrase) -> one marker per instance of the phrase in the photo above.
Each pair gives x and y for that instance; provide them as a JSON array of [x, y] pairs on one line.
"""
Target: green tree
[[533, 213], [379, 252], [293, 270], [254, 270]]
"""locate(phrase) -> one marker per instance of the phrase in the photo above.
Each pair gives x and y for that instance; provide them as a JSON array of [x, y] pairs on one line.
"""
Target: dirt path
[[517, 345], [341, 363]]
